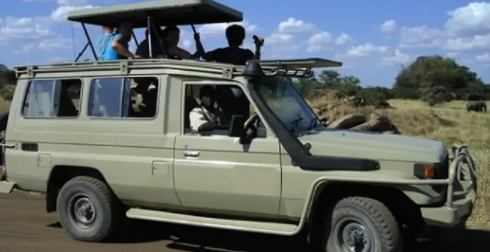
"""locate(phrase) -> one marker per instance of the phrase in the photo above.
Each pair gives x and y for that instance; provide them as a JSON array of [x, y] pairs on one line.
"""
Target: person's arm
[[143, 50], [210, 56], [259, 42], [199, 47], [198, 122], [179, 52], [257, 54], [116, 45]]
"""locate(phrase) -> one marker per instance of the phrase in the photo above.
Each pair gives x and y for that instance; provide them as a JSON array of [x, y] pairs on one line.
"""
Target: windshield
[[281, 97]]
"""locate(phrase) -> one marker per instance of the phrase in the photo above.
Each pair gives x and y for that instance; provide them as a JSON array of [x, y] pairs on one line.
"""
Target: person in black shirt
[[143, 49], [233, 54]]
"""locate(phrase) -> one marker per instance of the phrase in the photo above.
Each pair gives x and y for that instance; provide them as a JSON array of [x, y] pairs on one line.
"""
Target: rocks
[[373, 123]]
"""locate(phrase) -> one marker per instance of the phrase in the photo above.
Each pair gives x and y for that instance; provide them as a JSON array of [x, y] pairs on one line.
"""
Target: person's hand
[[259, 42], [135, 56]]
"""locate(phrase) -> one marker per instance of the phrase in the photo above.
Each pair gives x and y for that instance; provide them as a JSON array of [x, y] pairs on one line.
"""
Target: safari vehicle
[[74, 135]]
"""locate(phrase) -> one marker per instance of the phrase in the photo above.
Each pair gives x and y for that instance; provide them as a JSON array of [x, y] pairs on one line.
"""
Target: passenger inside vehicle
[[146, 104], [66, 105], [206, 117]]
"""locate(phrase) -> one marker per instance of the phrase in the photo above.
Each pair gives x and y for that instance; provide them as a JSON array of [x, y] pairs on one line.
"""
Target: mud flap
[[6, 187]]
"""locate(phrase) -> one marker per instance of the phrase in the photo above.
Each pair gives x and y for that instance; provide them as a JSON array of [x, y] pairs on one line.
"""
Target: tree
[[435, 79], [7, 76]]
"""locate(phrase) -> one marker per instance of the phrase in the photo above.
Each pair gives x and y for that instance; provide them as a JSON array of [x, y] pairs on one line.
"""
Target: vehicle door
[[216, 172]]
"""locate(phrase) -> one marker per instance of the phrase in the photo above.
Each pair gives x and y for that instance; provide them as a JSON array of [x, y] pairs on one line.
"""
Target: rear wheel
[[87, 209], [362, 224]]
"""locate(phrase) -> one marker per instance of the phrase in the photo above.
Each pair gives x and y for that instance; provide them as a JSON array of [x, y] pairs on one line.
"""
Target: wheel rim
[[82, 211], [352, 235]]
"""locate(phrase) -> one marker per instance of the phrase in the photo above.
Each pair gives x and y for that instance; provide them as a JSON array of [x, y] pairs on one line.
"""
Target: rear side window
[[122, 97], [52, 98]]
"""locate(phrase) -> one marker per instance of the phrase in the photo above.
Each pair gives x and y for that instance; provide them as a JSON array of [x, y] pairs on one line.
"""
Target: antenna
[[73, 35]]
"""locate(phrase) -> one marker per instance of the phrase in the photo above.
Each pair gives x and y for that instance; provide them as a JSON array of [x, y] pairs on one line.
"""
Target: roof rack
[[301, 68]]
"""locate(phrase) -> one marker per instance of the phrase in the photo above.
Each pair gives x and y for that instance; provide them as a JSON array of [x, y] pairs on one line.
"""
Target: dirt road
[[25, 227]]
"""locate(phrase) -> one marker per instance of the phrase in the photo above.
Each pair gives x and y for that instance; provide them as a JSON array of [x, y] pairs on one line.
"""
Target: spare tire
[[4, 117]]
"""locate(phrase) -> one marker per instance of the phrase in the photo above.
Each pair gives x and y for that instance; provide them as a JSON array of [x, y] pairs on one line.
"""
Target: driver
[[206, 117]]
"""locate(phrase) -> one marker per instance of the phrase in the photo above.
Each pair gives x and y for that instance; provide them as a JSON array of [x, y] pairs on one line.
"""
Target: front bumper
[[461, 192]]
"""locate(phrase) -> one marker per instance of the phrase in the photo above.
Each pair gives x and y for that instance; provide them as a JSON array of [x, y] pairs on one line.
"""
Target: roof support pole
[[149, 23], [81, 52], [89, 41], [135, 40], [160, 40]]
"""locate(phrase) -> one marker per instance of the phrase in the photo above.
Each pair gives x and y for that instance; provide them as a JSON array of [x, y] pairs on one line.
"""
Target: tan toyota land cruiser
[[79, 133]]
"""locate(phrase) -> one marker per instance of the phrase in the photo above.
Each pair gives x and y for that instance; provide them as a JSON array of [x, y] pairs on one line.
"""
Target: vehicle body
[[292, 175]]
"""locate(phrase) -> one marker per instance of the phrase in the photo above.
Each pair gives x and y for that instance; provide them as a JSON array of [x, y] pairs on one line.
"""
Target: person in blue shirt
[[103, 41], [117, 48]]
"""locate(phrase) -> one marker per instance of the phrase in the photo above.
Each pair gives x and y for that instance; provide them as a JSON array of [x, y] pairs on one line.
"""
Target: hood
[[344, 143]]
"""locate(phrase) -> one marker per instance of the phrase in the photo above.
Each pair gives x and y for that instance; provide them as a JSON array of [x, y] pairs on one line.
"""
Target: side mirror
[[236, 126]]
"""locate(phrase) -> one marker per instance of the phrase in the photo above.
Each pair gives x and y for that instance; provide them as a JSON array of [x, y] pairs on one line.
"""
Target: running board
[[6, 187], [192, 220]]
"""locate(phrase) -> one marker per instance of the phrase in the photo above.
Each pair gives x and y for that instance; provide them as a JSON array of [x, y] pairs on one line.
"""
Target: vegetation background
[[429, 98]]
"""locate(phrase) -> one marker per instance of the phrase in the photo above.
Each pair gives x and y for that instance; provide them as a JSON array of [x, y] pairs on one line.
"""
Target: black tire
[[371, 223], [4, 117], [96, 195]]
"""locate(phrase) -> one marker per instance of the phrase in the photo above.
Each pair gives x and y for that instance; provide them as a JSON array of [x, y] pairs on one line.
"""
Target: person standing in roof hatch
[[108, 32], [233, 54], [171, 37], [117, 48]]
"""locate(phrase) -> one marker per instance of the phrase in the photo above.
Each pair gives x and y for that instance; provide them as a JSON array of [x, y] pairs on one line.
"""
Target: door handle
[[191, 153], [8, 146]]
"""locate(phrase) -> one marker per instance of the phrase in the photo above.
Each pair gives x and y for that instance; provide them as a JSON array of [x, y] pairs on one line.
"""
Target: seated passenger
[[233, 54], [206, 117], [171, 37], [143, 49], [108, 32], [117, 48]]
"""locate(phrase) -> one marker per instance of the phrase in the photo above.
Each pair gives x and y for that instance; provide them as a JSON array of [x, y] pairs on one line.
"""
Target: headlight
[[433, 171]]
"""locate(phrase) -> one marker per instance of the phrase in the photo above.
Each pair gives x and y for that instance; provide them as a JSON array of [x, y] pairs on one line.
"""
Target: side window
[[122, 97], [52, 98], [218, 105]]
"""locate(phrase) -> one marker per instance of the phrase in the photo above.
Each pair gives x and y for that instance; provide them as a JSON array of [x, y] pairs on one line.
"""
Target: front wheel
[[87, 209], [362, 224]]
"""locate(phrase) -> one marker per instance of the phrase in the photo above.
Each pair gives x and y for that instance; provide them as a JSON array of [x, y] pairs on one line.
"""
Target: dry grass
[[449, 123]]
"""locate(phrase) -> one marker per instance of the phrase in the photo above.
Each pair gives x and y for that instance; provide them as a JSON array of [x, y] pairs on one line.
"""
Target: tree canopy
[[433, 79], [437, 79]]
